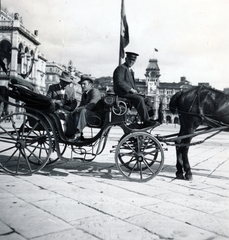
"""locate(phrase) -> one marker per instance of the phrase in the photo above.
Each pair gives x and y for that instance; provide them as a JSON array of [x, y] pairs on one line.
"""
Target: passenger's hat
[[85, 77], [131, 55], [65, 77]]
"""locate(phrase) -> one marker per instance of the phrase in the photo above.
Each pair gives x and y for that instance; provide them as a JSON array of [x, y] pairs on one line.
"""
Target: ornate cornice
[[27, 34]]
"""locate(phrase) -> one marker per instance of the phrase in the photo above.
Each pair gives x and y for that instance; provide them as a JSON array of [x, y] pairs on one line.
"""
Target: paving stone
[[4, 229], [223, 214], [220, 238], [27, 191], [66, 209], [12, 236], [106, 227], [125, 195], [73, 234], [30, 221], [199, 219], [6, 178], [5, 194], [108, 205], [218, 191], [193, 202], [169, 228]]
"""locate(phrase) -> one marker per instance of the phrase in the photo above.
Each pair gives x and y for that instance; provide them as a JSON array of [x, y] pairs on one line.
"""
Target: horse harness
[[200, 114]]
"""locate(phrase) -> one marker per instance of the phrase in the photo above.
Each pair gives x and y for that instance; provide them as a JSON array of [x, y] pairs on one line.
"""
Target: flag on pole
[[124, 33]]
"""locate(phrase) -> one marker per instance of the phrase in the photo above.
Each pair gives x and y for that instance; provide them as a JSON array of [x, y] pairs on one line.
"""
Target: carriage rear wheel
[[25, 144], [139, 156]]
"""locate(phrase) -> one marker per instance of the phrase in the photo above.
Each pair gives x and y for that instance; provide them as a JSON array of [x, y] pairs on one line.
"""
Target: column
[[14, 56], [22, 55], [14, 50]]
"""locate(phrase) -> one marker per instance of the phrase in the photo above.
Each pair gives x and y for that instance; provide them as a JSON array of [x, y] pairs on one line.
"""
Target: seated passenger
[[89, 105], [64, 99], [124, 86]]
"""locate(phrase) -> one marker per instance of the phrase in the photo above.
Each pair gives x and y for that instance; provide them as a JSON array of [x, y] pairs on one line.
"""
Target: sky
[[191, 37]]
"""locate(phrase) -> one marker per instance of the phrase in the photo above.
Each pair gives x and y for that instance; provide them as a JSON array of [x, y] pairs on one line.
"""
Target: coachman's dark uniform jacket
[[123, 80]]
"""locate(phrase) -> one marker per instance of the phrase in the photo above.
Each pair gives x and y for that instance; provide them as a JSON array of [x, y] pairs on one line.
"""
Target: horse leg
[[179, 165], [183, 163], [1, 108], [187, 168], [182, 152]]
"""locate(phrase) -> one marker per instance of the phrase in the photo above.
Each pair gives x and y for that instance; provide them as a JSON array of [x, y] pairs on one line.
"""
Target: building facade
[[19, 54]]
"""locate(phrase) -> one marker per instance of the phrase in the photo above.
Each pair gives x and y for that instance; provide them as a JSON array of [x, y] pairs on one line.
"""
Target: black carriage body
[[40, 132]]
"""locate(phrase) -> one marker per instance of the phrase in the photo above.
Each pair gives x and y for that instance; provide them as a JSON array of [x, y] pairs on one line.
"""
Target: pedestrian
[[124, 86]]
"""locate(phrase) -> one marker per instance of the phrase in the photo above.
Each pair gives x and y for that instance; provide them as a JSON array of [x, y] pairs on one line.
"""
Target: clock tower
[[152, 76]]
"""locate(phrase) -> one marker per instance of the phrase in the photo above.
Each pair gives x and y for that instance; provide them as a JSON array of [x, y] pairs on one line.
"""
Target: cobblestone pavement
[[76, 200]]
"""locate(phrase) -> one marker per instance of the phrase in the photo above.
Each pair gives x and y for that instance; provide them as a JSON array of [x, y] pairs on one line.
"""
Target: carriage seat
[[110, 102], [26, 92], [126, 100]]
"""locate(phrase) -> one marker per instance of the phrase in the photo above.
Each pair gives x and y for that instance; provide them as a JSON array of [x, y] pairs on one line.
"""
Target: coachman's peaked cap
[[65, 77], [132, 55], [86, 77]]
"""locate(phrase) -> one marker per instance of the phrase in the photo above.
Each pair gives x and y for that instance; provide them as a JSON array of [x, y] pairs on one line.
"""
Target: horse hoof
[[179, 176], [188, 177]]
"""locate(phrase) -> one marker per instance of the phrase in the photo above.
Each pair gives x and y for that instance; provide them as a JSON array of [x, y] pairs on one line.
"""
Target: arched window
[[5, 56]]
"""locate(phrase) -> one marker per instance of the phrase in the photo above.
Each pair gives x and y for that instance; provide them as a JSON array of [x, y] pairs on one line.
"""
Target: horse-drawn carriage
[[32, 134]]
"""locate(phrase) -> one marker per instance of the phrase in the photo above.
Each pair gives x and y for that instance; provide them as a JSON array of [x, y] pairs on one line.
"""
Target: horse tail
[[160, 114], [174, 101]]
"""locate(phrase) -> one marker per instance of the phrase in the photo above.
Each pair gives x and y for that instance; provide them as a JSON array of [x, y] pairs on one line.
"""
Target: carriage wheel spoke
[[140, 170], [10, 158], [132, 169], [26, 159], [8, 133], [131, 148], [18, 162], [32, 153], [5, 150], [147, 165]]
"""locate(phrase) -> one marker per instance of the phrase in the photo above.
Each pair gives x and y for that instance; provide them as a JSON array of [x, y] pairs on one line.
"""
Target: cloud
[[191, 36]]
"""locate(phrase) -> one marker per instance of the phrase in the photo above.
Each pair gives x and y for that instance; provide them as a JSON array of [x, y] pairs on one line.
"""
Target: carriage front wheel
[[25, 144], [139, 156]]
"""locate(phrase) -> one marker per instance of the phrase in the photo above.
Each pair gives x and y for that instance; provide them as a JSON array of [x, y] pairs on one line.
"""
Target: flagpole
[[124, 33], [120, 59]]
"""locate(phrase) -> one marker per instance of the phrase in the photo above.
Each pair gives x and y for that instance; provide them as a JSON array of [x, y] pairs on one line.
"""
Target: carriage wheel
[[25, 144], [139, 156]]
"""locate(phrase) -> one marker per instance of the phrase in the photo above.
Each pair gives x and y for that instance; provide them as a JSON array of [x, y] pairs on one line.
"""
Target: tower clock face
[[152, 74]]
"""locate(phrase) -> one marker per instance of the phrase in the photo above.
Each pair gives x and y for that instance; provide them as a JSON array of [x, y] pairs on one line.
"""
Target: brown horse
[[197, 106]]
